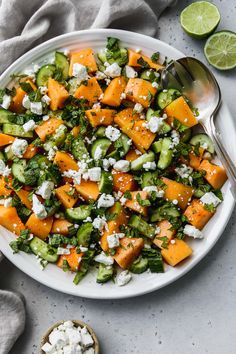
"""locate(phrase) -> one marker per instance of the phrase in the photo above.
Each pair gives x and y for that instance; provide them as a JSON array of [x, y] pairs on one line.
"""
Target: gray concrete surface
[[197, 314]]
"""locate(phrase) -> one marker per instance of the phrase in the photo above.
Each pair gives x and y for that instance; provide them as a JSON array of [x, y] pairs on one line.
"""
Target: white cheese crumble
[[105, 201], [138, 108], [45, 190], [26, 102], [6, 202], [75, 175], [100, 223], [149, 165], [100, 75], [122, 166], [130, 72], [210, 198], [113, 240], [113, 70], [38, 208], [123, 278], [52, 153], [63, 251], [80, 71], [175, 138], [155, 84], [98, 153], [6, 101], [43, 90], [102, 258], [107, 163], [94, 174], [4, 170], [154, 124], [19, 147], [112, 133], [192, 231], [36, 108], [184, 171], [29, 126], [46, 99], [150, 189]]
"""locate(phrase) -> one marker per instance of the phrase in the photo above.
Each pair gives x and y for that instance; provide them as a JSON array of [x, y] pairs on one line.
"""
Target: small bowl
[[77, 324]]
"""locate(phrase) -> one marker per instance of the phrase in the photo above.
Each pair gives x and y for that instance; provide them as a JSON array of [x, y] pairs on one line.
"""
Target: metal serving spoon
[[198, 84]]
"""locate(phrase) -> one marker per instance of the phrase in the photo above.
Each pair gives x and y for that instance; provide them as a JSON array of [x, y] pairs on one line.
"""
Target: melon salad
[[100, 166]]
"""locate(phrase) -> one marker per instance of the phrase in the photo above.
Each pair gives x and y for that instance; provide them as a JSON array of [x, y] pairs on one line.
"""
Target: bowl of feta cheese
[[70, 337]]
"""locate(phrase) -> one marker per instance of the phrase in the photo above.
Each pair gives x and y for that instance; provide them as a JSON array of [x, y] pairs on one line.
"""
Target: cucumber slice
[[44, 73], [43, 250], [186, 135], [157, 146], [102, 56], [102, 144], [62, 63], [139, 266], [142, 226], [79, 150], [163, 213], [166, 154], [145, 75], [123, 147], [18, 170], [84, 233], [165, 128], [9, 153], [106, 183], [40, 160], [138, 163], [78, 214], [57, 139], [148, 179], [16, 130], [2, 157], [105, 273], [5, 116], [149, 114], [164, 98], [204, 141], [100, 132]]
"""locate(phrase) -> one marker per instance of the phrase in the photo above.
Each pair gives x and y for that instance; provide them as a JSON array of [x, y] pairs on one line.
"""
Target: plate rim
[[13, 259]]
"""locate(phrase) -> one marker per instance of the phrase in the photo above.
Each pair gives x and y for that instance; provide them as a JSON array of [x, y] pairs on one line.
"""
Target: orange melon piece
[[215, 175], [128, 251], [65, 162], [91, 91], [133, 203], [177, 191], [57, 93], [60, 226], [112, 94], [140, 91], [5, 187], [62, 194], [177, 252], [123, 181], [48, 127], [40, 228], [134, 57], [88, 190], [197, 215], [165, 231], [6, 139], [30, 152], [10, 220], [24, 197], [84, 57], [98, 117], [180, 110]]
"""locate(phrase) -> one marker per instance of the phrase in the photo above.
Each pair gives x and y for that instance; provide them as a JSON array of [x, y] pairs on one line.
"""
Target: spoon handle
[[223, 155]]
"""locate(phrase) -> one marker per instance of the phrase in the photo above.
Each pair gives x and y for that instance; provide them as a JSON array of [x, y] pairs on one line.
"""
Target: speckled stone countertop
[[197, 314]]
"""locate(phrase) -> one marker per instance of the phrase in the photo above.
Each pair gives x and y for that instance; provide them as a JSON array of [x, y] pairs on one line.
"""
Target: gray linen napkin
[[27, 23]]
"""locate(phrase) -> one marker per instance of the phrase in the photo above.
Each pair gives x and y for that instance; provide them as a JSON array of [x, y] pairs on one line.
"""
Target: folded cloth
[[27, 23]]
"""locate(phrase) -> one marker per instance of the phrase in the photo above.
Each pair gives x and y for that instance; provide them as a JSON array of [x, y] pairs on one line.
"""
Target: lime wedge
[[200, 19], [220, 50]]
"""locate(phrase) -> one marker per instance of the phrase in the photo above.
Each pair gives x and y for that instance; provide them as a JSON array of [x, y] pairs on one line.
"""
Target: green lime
[[200, 19], [220, 50]]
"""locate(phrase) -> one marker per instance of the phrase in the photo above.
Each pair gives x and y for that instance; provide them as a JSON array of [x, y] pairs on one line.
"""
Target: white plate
[[146, 282]]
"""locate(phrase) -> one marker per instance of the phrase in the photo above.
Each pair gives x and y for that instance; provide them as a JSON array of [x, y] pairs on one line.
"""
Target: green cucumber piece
[[145, 76], [106, 183], [157, 146], [16, 130], [102, 56], [164, 98], [103, 144], [164, 212], [57, 139], [105, 273], [18, 170], [155, 261], [100, 132], [78, 214], [138, 163], [142, 226], [9, 153], [122, 147], [44, 73], [166, 154], [62, 63], [203, 139], [149, 114], [139, 266], [79, 150], [165, 128], [2, 157], [84, 233], [5, 116], [43, 250], [148, 179], [186, 135]]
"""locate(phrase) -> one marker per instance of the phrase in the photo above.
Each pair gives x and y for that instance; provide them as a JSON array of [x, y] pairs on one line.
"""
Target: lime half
[[220, 50], [200, 19]]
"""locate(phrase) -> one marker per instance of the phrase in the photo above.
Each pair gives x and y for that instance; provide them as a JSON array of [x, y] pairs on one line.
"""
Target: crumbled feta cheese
[[102, 258], [48, 348], [36, 68], [83, 249], [154, 124], [76, 175], [4, 170], [150, 189], [175, 201], [63, 251], [43, 90], [46, 99], [8, 202], [108, 163], [138, 108], [149, 165], [122, 166], [123, 278], [123, 200], [38, 208], [105, 201], [100, 223], [58, 338], [175, 138], [123, 96], [26, 102], [130, 72], [107, 80], [114, 239], [112, 133], [6, 101], [51, 153], [46, 117], [45, 190], [155, 84], [98, 153], [184, 171], [192, 231], [210, 198], [87, 339], [80, 71], [100, 75], [94, 174], [113, 70], [89, 351], [36, 108], [30, 125], [19, 147], [96, 105]]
